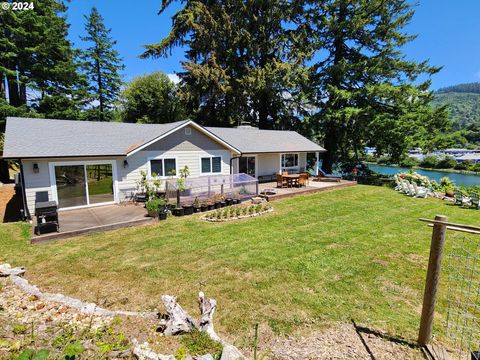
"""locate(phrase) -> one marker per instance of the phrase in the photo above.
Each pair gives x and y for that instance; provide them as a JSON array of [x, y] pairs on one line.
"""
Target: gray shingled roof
[[26, 138], [31, 138], [252, 140]]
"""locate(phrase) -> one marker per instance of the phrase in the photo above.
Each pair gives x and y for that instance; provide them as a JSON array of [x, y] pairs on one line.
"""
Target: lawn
[[358, 253]]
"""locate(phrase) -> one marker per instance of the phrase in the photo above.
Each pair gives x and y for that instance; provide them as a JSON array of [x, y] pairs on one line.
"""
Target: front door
[[246, 165], [83, 184]]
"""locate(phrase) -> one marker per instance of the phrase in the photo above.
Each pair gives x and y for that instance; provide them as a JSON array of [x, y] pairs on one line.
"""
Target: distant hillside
[[464, 103], [461, 88]]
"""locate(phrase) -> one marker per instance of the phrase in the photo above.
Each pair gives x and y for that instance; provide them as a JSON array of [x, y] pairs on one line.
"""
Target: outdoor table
[[292, 179]]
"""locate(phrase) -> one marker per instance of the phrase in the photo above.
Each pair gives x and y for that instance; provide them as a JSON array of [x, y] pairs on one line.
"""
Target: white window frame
[[296, 167], [53, 181], [211, 165], [163, 157]]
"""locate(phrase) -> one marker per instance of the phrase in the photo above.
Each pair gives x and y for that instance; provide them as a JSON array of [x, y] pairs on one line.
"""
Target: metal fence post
[[433, 278]]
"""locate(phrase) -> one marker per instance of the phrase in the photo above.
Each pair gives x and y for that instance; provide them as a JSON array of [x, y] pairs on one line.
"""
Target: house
[[83, 163]]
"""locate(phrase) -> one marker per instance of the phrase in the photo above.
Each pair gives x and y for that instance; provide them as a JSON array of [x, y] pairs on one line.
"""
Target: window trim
[[289, 167], [211, 164], [149, 166]]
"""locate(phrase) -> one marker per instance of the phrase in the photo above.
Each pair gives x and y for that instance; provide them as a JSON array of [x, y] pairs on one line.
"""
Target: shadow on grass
[[364, 330]]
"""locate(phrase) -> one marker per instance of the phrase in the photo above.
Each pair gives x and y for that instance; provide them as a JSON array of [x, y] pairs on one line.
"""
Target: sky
[[448, 35]]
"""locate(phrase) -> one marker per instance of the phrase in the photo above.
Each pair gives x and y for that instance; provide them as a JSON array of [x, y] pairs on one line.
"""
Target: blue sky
[[448, 35]]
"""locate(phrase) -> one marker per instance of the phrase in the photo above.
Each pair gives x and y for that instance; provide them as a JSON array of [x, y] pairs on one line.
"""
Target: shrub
[[460, 166], [446, 184], [383, 160], [448, 162], [430, 161], [418, 179], [238, 211], [154, 205], [408, 161]]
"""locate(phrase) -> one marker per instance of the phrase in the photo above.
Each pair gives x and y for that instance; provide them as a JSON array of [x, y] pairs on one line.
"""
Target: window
[[211, 165], [289, 160], [163, 167], [246, 165]]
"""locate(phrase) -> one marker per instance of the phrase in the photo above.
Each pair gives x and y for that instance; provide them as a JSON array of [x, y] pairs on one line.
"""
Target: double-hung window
[[163, 167], [211, 165]]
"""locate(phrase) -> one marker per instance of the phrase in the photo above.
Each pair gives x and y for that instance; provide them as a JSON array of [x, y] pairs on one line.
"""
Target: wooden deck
[[100, 218], [313, 187]]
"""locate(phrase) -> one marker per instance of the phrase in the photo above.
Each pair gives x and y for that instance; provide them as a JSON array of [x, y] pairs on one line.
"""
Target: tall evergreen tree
[[243, 61], [36, 58], [102, 65], [365, 91]]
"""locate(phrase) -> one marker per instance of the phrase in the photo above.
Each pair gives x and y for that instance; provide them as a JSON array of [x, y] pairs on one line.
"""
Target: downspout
[[231, 162], [26, 213]]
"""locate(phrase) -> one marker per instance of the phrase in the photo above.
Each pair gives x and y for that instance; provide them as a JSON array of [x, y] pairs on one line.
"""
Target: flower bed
[[238, 212]]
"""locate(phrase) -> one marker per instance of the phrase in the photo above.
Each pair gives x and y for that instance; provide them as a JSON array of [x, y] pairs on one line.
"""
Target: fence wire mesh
[[463, 294]]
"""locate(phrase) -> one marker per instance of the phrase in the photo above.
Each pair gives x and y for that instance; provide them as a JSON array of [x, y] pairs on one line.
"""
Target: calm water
[[459, 179]]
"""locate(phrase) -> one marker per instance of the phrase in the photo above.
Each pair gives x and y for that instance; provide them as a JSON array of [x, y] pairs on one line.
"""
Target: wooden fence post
[[433, 278]]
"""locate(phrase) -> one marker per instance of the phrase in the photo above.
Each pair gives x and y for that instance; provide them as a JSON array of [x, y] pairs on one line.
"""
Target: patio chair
[[303, 179], [405, 187], [420, 191], [281, 181], [461, 199], [474, 200], [398, 183]]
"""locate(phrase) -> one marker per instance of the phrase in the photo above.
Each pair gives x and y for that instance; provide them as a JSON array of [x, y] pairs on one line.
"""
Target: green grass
[[358, 253]]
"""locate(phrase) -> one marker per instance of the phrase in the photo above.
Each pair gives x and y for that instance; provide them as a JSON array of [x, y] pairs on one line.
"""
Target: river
[[458, 179]]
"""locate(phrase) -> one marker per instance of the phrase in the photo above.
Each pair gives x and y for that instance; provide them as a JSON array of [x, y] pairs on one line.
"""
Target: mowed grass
[[358, 253]]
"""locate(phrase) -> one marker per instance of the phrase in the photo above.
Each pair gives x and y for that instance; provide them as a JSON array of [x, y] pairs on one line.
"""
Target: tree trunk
[[3, 93], [331, 145], [22, 87], [13, 91], [100, 88], [4, 171]]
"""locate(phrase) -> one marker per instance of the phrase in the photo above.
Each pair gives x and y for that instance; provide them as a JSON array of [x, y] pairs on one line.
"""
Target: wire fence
[[463, 295]]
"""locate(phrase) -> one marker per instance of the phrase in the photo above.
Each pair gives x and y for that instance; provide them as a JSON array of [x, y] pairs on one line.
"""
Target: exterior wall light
[[36, 169]]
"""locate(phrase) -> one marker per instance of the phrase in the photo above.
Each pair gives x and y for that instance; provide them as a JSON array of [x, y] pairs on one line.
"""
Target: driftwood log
[[178, 321], [7, 270]]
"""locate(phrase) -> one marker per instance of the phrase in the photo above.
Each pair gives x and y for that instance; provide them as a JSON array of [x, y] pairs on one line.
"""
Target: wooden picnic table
[[292, 179]]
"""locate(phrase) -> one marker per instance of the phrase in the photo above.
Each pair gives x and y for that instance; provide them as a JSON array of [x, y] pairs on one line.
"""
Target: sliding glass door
[[83, 184], [71, 189]]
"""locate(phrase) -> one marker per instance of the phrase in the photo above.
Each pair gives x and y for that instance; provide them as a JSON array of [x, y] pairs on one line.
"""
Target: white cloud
[[174, 78]]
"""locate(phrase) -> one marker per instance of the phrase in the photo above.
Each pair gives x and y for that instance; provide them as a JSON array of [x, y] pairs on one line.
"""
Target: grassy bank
[[357, 253]]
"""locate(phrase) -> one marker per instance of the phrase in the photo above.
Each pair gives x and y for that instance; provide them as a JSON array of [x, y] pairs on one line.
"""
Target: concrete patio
[[312, 187], [100, 218]]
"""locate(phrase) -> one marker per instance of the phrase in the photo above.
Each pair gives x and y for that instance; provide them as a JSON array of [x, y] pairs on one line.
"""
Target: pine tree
[[366, 92], [243, 62], [36, 55], [102, 65]]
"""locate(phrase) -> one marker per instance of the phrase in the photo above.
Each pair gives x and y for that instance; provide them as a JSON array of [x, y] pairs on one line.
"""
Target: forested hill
[[464, 103]]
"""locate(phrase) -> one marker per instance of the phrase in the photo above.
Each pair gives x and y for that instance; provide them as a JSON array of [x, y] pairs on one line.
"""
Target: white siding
[[38, 182], [267, 164], [128, 177]]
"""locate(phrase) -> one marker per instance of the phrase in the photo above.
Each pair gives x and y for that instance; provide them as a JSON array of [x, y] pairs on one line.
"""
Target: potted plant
[[229, 201], [178, 211], [204, 206], [211, 204], [217, 201], [154, 205], [187, 209], [184, 173], [196, 205], [236, 198], [163, 212]]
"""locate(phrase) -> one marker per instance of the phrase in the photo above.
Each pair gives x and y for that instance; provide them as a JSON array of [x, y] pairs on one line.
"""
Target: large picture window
[[211, 165], [289, 161], [163, 167]]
